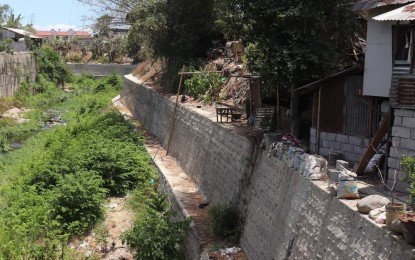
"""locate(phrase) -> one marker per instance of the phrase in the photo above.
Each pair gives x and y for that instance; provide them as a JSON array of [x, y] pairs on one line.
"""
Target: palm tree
[[14, 22]]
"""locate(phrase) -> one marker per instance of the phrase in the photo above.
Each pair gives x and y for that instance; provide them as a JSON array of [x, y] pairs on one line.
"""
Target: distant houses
[[70, 35]]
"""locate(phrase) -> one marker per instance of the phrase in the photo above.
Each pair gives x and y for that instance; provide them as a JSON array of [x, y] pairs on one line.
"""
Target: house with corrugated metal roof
[[18, 36], [388, 73]]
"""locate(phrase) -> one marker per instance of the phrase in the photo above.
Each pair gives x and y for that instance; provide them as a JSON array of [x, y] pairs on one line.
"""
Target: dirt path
[[104, 241]]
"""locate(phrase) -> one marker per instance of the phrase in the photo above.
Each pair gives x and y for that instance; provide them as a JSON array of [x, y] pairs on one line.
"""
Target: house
[[388, 73], [70, 35], [18, 36], [342, 119]]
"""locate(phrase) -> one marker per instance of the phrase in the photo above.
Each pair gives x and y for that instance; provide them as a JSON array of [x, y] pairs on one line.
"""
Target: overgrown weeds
[[225, 222]]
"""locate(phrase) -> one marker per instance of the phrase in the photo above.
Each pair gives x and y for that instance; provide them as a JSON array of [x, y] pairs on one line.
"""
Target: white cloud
[[62, 27]]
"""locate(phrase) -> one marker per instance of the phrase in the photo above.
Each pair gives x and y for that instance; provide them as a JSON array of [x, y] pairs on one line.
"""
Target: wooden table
[[224, 111]]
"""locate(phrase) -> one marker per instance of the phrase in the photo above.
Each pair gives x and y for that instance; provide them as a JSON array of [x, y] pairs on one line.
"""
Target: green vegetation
[[53, 189], [206, 86], [225, 222], [408, 165], [154, 235]]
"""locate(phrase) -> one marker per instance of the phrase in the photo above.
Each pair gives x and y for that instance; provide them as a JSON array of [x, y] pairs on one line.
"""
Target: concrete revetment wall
[[14, 69], [99, 70], [286, 216]]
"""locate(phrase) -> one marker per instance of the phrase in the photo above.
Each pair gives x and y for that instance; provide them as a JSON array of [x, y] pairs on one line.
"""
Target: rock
[[381, 219], [83, 245], [371, 202], [396, 226], [373, 214]]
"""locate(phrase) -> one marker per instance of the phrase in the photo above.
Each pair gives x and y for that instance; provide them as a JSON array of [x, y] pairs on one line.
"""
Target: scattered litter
[[347, 188], [381, 219], [230, 251]]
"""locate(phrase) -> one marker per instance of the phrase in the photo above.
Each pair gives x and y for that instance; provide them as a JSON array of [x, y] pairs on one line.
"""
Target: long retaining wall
[[14, 69], [286, 216], [99, 70]]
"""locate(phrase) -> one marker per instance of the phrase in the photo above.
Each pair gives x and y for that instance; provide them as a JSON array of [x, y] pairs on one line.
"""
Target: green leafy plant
[[408, 165], [225, 222], [155, 235], [208, 84]]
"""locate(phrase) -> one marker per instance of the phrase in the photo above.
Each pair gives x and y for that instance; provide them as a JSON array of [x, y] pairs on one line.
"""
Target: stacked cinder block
[[352, 147], [403, 139]]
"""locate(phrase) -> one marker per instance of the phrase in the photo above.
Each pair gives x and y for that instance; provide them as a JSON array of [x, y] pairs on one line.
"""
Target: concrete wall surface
[[290, 217], [403, 140], [14, 69], [213, 157], [101, 69], [286, 216], [352, 147]]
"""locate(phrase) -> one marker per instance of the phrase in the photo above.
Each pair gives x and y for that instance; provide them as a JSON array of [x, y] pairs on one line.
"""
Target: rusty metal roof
[[404, 13], [370, 4]]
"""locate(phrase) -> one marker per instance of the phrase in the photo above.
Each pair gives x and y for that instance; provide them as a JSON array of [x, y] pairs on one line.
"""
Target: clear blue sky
[[46, 14]]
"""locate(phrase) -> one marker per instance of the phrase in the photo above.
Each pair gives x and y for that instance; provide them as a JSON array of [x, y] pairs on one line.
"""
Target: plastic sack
[[347, 188]]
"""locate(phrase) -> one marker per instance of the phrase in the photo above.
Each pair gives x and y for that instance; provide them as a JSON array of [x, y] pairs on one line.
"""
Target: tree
[[102, 25], [4, 13], [13, 21], [116, 9], [175, 31]]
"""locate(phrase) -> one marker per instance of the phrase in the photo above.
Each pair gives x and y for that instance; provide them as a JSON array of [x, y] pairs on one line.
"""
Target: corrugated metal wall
[[332, 106], [359, 113], [344, 110]]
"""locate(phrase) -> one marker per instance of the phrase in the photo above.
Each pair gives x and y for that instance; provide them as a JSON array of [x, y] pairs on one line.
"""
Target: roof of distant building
[[404, 13], [79, 34], [370, 4], [22, 32]]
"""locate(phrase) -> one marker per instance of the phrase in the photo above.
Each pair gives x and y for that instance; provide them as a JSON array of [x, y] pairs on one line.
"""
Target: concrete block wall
[[403, 139], [286, 215], [14, 69], [215, 159], [352, 147], [101, 69], [290, 217]]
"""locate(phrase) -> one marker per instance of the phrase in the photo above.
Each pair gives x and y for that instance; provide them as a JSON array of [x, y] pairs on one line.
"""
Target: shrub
[[51, 66], [201, 84], [408, 165], [73, 56], [76, 201], [155, 235], [225, 222]]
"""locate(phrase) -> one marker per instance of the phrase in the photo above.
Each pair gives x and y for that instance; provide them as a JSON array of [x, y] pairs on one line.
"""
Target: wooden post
[[278, 109], [175, 111], [411, 51], [318, 122]]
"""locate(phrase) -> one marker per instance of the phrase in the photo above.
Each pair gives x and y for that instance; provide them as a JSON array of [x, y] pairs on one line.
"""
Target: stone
[[403, 132], [408, 144], [342, 138], [371, 202], [355, 140], [331, 136], [396, 226], [403, 112], [373, 214], [333, 174], [408, 122], [398, 121], [340, 163]]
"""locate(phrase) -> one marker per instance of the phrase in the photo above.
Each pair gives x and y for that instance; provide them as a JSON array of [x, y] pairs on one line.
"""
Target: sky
[[57, 14]]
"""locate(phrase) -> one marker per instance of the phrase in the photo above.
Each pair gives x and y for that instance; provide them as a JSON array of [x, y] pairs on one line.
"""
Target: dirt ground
[[104, 242]]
